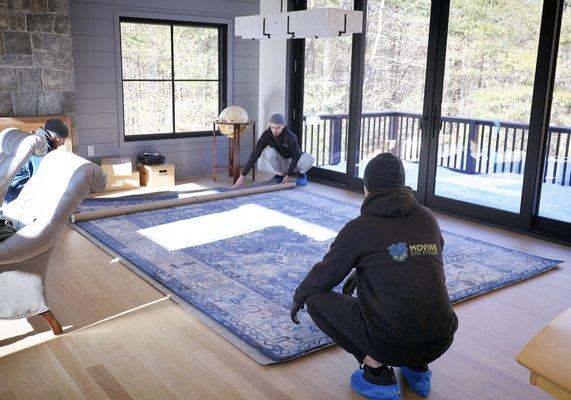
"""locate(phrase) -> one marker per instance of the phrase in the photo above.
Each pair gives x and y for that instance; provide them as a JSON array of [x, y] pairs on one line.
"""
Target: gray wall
[[93, 28], [36, 65]]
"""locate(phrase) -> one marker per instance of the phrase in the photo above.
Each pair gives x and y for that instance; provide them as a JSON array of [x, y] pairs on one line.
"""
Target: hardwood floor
[[124, 340]]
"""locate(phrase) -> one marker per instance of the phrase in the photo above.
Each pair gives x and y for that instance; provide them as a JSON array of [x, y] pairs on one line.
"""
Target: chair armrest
[[29, 242]]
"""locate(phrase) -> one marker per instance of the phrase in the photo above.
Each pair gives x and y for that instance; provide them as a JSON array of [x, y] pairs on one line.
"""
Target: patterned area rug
[[236, 263]]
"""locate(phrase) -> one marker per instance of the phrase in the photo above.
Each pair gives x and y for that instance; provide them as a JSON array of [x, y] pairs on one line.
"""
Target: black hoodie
[[396, 247]]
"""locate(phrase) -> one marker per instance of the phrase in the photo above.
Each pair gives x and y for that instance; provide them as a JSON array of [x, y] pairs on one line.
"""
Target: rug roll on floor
[[112, 212]]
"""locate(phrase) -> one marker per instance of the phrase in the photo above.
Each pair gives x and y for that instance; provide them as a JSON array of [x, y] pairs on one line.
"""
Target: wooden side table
[[548, 355], [233, 150]]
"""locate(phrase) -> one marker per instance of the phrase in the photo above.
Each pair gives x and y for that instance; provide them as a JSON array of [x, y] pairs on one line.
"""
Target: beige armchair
[[16, 147], [39, 214]]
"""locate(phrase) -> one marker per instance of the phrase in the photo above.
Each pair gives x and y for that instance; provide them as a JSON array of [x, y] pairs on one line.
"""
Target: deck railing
[[470, 146]]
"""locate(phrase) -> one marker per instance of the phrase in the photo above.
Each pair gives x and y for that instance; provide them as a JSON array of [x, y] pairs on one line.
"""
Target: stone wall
[[36, 63]]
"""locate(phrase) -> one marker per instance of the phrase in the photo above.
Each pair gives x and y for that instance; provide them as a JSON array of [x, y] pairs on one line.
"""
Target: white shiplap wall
[[93, 26]]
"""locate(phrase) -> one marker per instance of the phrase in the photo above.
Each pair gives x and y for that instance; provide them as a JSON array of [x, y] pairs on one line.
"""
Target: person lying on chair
[[402, 314], [54, 133], [280, 147]]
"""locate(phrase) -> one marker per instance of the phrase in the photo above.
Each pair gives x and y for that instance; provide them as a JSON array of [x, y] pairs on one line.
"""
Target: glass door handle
[[436, 120], [424, 125]]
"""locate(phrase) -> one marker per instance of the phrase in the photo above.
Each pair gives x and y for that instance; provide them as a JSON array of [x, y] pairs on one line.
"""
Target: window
[[173, 78], [555, 200]]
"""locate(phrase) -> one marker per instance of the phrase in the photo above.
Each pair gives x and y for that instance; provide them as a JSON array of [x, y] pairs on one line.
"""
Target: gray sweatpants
[[281, 165]]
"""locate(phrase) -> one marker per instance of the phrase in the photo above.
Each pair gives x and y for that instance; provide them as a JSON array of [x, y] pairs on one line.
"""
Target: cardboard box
[[118, 166], [120, 174], [122, 182], [157, 175]]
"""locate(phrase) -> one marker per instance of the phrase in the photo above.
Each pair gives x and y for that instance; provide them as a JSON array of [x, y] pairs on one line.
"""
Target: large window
[[173, 78], [326, 96], [458, 90], [393, 91], [488, 86]]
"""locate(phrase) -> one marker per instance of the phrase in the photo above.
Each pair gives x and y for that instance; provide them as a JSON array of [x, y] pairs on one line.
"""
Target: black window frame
[[222, 75]]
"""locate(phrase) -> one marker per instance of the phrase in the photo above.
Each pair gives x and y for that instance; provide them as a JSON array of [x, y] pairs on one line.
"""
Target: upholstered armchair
[[39, 214], [16, 147]]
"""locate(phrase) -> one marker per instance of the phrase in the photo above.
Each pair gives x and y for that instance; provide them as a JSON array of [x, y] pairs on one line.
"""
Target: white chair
[[39, 214], [16, 147]]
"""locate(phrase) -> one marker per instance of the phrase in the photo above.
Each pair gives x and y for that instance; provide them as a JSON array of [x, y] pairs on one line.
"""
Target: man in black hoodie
[[280, 147], [402, 314], [54, 133]]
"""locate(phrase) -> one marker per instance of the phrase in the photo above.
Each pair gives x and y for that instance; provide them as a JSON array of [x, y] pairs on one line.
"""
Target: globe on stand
[[233, 115]]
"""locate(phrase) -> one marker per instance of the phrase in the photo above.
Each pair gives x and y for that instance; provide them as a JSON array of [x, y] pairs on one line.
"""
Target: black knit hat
[[385, 170], [56, 127]]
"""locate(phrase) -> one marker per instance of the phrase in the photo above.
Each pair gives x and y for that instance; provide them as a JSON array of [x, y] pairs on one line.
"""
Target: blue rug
[[240, 277]]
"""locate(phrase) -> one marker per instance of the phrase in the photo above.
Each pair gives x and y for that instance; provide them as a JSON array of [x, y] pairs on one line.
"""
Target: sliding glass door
[[326, 83], [486, 102], [458, 89], [554, 211], [393, 83]]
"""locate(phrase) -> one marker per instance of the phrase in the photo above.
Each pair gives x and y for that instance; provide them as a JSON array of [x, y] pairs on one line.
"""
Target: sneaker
[[376, 387], [301, 181], [419, 382]]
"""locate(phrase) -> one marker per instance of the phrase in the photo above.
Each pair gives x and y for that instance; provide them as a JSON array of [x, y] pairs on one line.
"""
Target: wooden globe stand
[[233, 149]]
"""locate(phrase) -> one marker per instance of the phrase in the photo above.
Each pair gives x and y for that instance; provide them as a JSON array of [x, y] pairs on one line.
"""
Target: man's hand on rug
[[239, 182], [295, 307], [286, 179], [350, 284]]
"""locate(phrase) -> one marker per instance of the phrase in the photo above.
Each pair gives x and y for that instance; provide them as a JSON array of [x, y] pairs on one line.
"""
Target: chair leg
[[52, 322]]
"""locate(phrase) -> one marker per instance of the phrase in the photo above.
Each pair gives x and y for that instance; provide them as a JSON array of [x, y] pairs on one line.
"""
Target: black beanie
[[385, 170], [56, 127]]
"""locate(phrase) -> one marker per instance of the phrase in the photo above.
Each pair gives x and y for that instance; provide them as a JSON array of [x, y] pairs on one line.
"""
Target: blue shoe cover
[[419, 382], [301, 181], [371, 391]]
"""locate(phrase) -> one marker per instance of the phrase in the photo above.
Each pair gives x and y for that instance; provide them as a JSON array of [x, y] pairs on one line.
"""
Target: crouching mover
[[54, 133], [280, 147], [402, 314]]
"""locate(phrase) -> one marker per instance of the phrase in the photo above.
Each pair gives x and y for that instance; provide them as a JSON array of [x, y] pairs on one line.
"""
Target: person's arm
[[262, 143], [335, 266], [296, 153]]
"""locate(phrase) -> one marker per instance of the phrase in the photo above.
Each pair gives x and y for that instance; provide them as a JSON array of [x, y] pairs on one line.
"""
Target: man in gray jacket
[[402, 314]]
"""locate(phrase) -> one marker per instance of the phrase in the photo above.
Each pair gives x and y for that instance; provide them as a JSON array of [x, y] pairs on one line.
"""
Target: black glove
[[350, 284], [295, 307]]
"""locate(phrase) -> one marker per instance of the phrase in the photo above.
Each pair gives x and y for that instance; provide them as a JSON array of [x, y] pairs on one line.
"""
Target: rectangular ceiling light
[[319, 22]]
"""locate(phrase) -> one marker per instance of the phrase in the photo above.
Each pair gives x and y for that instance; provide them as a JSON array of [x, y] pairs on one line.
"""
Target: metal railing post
[[335, 139], [471, 148], [394, 133]]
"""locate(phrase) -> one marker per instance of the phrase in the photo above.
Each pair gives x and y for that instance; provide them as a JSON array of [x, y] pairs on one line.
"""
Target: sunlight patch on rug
[[242, 220]]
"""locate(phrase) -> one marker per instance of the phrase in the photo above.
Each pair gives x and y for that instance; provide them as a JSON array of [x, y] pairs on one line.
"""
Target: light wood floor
[[124, 340]]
